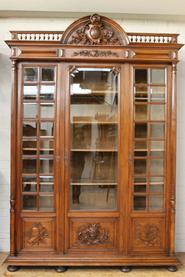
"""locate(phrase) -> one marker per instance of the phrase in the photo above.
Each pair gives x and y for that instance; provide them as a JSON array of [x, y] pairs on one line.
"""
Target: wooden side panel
[[38, 234], [93, 234], [147, 235]]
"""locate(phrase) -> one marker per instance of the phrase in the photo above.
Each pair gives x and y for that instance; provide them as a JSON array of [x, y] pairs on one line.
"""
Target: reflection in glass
[[29, 147], [155, 202], [46, 165], [29, 129], [30, 92], [157, 112], [94, 119], [46, 202], [46, 147], [157, 130], [156, 188], [46, 129], [46, 184], [141, 93], [31, 74], [46, 110], [141, 112], [157, 166], [47, 92], [30, 110], [140, 166], [29, 183], [29, 202], [157, 76], [139, 203], [47, 74], [157, 94], [29, 165]]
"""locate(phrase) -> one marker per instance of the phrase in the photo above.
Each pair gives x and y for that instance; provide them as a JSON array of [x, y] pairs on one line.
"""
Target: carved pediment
[[95, 30]]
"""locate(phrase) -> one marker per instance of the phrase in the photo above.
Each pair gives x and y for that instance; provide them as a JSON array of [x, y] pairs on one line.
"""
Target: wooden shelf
[[94, 122], [94, 184], [94, 150]]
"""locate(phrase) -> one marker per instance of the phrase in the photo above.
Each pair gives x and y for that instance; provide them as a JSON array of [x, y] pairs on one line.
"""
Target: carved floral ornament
[[92, 234], [95, 30], [148, 235]]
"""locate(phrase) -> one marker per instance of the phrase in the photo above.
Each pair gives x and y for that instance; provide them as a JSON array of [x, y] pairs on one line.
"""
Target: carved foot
[[12, 268], [172, 268], [61, 269], [125, 269]]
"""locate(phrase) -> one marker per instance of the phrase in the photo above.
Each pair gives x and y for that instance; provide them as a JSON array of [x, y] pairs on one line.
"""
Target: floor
[[92, 272]]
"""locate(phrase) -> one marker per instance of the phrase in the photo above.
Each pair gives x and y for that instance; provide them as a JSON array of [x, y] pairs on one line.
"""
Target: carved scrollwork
[[148, 234], [95, 53], [94, 33], [92, 234], [37, 234]]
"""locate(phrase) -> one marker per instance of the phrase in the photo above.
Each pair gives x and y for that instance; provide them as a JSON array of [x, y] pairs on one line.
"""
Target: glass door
[[93, 138]]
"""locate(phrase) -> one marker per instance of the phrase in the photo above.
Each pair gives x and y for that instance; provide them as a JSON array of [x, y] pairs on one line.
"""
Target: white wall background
[[130, 25]]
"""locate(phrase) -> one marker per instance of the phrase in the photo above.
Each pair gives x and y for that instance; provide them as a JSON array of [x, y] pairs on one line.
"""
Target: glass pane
[[141, 130], [94, 133], [46, 129], [155, 202], [141, 112], [29, 202], [46, 184], [31, 74], [29, 147], [158, 76], [46, 147], [141, 145], [30, 92], [93, 197], [157, 145], [47, 111], [157, 180], [157, 166], [157, 130], [141, 76], [156, 188], [141, 93], [47, 92], [157, 94], [47, 74], [139, 203], [30, 110], [87, 136], [29, 166], [46, 202], [140, 166], [140, 180], [29, 129], [139, 188], [46, 165], [157, 112], [29, 184]]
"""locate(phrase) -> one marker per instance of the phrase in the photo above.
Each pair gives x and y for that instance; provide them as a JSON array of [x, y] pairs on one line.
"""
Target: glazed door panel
[[93, 146]]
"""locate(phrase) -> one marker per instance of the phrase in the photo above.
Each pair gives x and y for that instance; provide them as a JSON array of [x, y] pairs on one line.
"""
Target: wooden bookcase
[[93, 147]]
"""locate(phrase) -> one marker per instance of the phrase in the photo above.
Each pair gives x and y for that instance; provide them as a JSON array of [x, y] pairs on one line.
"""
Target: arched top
[[95, 30]]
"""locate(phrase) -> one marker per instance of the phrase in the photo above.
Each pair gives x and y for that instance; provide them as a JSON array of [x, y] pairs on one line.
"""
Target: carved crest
[[92, 234], [37, 234], [95, 30], [149, 234]]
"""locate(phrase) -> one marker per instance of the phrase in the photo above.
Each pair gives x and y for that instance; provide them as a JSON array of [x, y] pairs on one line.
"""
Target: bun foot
[[125, 269], [61, 269], [12, 268], [172, 268]]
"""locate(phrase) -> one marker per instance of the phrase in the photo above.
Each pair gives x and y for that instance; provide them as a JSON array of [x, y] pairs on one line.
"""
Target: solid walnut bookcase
[[93, 147]]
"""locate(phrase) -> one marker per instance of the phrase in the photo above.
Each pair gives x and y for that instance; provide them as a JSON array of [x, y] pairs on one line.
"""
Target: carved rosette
[[92, 234], [94, 32], [148, 235], [37, 234]]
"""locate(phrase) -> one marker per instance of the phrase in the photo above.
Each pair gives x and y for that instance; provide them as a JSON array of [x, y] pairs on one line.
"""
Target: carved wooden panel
[[96, 233], [38, 233], [147, 234]]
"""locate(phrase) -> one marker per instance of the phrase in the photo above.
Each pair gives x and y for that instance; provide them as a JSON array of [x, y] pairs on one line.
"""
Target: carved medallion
[[148, 234], [37, 234], [94, 33], [92, 234]]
